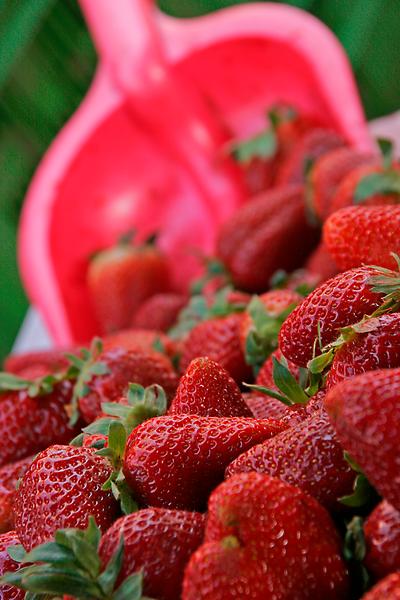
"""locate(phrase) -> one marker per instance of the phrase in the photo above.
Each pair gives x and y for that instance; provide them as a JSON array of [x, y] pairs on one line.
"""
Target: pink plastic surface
[[144, 148]]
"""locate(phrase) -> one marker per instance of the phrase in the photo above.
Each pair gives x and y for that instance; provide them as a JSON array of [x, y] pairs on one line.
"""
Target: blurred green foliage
[[46, 64]]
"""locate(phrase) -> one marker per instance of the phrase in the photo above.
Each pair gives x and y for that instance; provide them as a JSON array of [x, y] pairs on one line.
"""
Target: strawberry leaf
[[262, 145], [287, 383], [40, 386], [387, 151], [387, 182]]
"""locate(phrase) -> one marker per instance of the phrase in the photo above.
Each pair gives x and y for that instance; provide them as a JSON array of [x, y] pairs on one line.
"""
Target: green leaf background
[[46, 65]]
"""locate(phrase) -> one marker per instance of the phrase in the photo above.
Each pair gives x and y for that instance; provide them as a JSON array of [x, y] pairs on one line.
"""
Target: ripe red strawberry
[[45, 361], [175, 461], [353, 188], [9, 476], [321, 264], [306, 455], [327, 173], [365, 412], [377, 348], [387, 589], [33, 417], [159, 312], [120, 278], [260, 155], [311, 146], [62, 488], [261, 322], [7, 564], [338, 302], [218, 338], [266, 539], [264, 407], [254, 242], [158, 542], [134, 340], [382, 539], [119, 368], [206, 389], [359, 235]]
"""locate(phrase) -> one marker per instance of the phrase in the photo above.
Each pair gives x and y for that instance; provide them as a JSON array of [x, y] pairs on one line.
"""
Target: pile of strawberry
[[240, 442]]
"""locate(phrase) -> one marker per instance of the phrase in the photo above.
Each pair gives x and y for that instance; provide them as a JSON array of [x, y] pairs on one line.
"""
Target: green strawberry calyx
[[71, 563], [354, 552], [82, 369], [363, 493], [199, 309], [262, 338], [384, 182], [40, 386], [290, 391]]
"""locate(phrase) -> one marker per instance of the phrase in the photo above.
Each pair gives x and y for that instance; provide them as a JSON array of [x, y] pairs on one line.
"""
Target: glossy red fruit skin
[[365, 413], [382, 538], [258, 531], [49, 361], [363, 235], [62, 488], [345, 192], [307, 455], [263, 406], [377, 349], [137, 366], [340, 301], [275, 303], [254, 242], [328, 172], [158, 542], [387, 589], [219, 340], [9, 476], [320, 264], [175, 461], [207, 390], [159, 312], [311, 146], [134, 340], [121, 278], [28, 425], [7, 564]]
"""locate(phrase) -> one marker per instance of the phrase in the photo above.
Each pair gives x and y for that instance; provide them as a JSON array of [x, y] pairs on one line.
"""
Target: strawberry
[[33, 414], [260, 154], [374, 183], [336, 303], [71, 563], [7, 564], [264, 407], [321, 264], [387, 589], [45, 361], [159, 312], [266, 539], [253, 243], [9, 476], [376, 348], [218, 338], [206, 389], [175, 461], [120, 278], [62, 487], [382, 540], [157, 542], [134, 340], [261, 323], [364, 411], [359, 235], [311, 146], [103, 376], [306, 455], [327, 173]]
